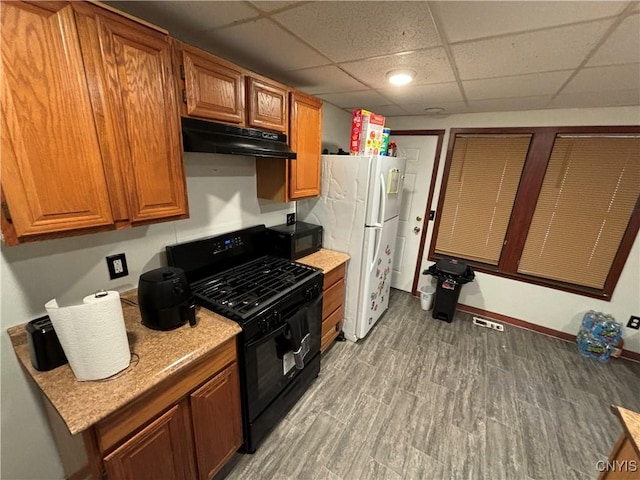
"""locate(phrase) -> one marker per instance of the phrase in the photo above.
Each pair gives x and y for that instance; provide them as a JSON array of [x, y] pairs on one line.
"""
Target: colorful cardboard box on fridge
[[366, 133]]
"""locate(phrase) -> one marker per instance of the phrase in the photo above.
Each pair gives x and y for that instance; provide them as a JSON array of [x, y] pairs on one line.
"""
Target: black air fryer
[[165, 299]]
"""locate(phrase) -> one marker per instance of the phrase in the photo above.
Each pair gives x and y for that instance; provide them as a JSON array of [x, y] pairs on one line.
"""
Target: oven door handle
[[262, 339]]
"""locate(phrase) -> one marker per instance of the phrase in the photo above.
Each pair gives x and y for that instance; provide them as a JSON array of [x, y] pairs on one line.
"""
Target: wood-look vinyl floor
[[424, 399]]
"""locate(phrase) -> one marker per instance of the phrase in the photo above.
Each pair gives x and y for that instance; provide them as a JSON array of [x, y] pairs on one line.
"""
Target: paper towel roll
[[92, 335]]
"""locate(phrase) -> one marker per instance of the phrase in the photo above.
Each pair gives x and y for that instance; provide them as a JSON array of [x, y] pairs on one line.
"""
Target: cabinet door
[[131, 65], [213, 88], [160, 450], [268, 106], [52, 171], [306, 141], [217, 424]]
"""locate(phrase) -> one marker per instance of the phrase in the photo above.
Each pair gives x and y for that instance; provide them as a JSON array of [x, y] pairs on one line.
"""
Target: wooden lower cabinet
[[217, 424], [332, 305], [186, 428], [158, 451]]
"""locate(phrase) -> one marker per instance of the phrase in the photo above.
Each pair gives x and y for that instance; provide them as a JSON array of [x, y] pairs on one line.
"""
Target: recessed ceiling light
[[400, 77], [433, 110]]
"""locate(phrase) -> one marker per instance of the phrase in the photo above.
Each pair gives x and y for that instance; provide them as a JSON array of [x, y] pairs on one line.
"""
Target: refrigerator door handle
[[378, 240], [383, 200]]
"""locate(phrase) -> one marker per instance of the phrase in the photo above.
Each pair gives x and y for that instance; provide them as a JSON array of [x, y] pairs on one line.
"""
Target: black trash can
[[451, 275]]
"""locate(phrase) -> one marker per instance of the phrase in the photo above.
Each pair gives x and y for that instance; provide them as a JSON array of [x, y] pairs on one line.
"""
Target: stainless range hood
[[210, 137]]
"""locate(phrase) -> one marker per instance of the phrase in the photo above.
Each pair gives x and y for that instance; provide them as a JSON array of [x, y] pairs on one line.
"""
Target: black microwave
[[294, 241]]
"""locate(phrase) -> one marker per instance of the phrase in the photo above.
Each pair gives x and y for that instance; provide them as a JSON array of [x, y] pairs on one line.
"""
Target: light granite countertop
[[325, 259], [156, 355]]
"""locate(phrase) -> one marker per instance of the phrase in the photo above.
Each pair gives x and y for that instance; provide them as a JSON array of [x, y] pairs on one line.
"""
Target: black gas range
[[278, 304]]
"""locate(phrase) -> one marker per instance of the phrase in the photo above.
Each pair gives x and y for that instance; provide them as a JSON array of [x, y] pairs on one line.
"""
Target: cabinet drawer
[[331, 328], [333, 319], [334, 275], [333, 298]]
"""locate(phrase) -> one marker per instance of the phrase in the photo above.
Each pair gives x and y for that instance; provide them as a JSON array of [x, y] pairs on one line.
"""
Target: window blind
[[481, 187], [589, 192]]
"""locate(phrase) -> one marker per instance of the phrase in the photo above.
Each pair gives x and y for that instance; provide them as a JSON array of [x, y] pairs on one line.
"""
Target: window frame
[[524, 206]]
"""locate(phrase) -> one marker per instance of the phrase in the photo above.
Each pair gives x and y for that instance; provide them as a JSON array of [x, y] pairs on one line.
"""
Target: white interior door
[[420, 151]]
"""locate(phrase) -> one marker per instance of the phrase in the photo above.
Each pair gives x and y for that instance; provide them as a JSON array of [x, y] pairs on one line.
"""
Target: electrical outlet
[[117, 265], [634, 322], [291, 218]]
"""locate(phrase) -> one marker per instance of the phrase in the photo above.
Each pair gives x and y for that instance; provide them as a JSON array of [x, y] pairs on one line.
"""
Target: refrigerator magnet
[[394, 180]]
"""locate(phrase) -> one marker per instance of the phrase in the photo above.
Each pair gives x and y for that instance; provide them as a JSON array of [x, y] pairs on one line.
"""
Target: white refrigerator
[[358, 207]]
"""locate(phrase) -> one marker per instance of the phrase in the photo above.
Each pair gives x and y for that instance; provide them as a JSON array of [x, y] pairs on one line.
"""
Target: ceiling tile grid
[[473, 20], [346, 31], [510, 55], [545, 83], [558, 48], [431, 66], [268, 58], [622, 46]]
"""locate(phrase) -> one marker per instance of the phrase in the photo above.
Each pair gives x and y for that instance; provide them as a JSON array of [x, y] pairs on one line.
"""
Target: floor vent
[[488, 323]]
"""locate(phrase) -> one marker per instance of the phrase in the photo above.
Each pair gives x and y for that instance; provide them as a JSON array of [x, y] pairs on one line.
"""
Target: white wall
[[336, 128], [222, 197], [540, 305]]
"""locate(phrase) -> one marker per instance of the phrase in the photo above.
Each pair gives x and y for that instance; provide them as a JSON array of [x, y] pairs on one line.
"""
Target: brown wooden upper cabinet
[[92, 137], [288, 180], [212, 88], [52, 171], [306, 141], [268, 105], [215, 89]]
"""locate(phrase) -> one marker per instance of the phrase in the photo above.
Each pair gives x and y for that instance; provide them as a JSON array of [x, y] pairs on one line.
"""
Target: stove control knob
[[311, 292], [263, 325]]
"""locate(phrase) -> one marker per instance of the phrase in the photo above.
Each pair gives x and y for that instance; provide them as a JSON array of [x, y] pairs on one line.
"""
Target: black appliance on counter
[[278, 304], [294, 241], [44, 347], [165, 299]]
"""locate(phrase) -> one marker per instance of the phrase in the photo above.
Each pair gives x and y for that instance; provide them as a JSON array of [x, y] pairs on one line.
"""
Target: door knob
[[418, 219], [416, 229]]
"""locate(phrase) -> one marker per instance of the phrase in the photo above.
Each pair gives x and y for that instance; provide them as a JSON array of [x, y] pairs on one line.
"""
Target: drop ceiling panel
[[516, 86], [586, 99], [431, 66], [364, 99], [186, 18], [469, 20], [449, 108], [353, 30], [555, 49], [386, 110], [623, 46], [606, 79], [269, 6], [263, 46], [438, 92], [510, 104], [327, 79]]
